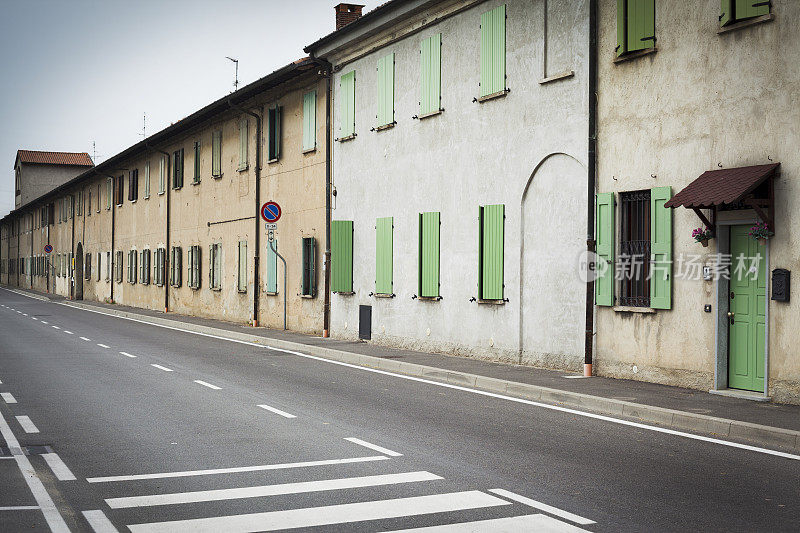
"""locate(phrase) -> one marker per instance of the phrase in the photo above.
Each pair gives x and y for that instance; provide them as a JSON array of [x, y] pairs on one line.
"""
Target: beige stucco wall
[[702, 100]]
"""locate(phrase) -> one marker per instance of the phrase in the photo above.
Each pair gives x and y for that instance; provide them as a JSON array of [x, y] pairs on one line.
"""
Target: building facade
[[37, 172]]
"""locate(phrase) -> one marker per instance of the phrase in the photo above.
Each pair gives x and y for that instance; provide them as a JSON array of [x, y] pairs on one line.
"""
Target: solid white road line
[[99, 522], [543, 507], [8, 397], [68, 332], [277, 411], [375, 447], [126, 354], [257, 468], [43, 499], [209, 385], [532, 522], [103, 345], [165, 369], [19, 508], [85, 339], [488, 394], [27, 425], [269, 490], [62, 472], [331, 514]]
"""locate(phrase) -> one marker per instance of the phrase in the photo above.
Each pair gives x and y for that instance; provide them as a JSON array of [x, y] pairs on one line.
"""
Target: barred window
[[633, 265]]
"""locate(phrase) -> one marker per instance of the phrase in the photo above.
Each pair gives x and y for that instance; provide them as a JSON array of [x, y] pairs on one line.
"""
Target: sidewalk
[[766, 424]]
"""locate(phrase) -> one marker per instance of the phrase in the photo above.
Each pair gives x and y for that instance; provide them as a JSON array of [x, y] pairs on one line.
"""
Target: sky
[[78, 72]]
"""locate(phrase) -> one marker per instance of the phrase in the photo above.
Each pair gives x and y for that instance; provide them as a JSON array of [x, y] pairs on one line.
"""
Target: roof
[[726, 186], [54, 158], [364, 19]]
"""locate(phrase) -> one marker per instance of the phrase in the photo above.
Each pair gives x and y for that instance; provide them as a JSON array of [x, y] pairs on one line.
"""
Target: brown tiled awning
[[718, 187]]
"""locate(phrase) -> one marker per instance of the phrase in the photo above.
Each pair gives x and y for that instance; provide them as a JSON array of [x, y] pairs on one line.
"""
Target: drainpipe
[[72, 262], [591, 187], [166, 208], [256, 238], [31, 277], [113, 211]]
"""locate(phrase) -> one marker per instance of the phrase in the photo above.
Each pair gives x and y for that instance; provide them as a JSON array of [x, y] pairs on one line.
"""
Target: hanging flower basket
[[761, 232], [702, 236]]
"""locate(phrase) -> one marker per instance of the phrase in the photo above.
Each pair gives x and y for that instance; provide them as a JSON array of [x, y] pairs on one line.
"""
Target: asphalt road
[[127, 426]]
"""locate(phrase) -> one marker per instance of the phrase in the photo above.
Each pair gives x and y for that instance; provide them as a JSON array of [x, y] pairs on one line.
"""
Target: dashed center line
[[86, 339], [55, 327], [165, 369], [209, 385], [68, 332], [103, 345], [375, 447], [45, 322], [277, 411], [24, 314], [33, 317], [126, 354]]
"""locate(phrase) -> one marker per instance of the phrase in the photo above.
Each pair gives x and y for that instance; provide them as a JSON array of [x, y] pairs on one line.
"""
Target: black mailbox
[[780, 284]]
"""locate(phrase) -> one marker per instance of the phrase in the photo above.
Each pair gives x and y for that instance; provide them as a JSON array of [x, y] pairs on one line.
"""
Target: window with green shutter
[[308, 286], [430, 100], [386, 90], [216, 154], [384, 243], [243, 144], [347, 91], [342, 256], [175, 266], [162, 172], [493, 51], [491, 229], [196, 177], [241, 284], [215, 266], [660, 249], [146, 185], [604, 230], [309, 121], [272, 267], [428, 279], [177, 169], [736, 10], [636, 23], [193, 267], [274, 133]]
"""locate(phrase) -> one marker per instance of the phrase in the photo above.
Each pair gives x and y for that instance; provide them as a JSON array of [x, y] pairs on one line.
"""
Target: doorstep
[[742, 394]]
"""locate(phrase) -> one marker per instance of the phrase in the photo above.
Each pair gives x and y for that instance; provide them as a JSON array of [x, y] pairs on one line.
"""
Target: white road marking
[[258, 468], [24, 314], [55, 327], [574, 377], [375, 447], [269, 490], [33, 317], [8, 397], [126, 354], [559, 408], [99, 522], [165, 369], [27, 425], [85, 339], [43, 499], [103, 345], [543, 507], [532, 522], [331, 514], [45, 322], [68, 332], [62, 472], [209, 385], [277, 411], [19, 508]]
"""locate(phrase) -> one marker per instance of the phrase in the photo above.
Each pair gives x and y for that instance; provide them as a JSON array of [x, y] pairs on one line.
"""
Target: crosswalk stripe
[[269, 490], [27, 424], [8, 397], [99, 522], [332, 514], [543, 507], [534, 522], [61, 470]]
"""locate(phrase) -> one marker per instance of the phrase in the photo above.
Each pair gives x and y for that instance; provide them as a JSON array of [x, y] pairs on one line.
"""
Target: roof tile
[[726, 186], [55, 158]]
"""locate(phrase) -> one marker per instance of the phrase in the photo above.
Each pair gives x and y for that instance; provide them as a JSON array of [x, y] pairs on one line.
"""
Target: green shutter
[[746, 9], [641, 23], [242, 281], [272, 267], [275, 133], [348, 109], [386, 90], [216, 154], [492, 225], [604, 219], [430, 74], [309, 120], [429, 254], [493, 51], [660, 249], [342, 256], [196, 162], [308, 285], [621, 27], [384, 237], [243, 144], [725, 12]]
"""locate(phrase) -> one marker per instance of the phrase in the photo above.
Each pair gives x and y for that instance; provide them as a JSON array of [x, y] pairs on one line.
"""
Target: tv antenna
[[144, 126], [236, 75]]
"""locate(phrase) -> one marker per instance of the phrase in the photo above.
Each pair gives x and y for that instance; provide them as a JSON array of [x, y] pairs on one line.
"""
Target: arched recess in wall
[[552, 236]]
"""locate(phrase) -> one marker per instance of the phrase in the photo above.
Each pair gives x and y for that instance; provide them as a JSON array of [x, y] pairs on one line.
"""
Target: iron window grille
[[634, 258]]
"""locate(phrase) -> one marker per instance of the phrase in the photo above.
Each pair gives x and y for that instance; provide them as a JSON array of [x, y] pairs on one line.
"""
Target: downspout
[[113, 211], [257, 236], [166, 208], [591, 188], [72, 260], [30, 277]]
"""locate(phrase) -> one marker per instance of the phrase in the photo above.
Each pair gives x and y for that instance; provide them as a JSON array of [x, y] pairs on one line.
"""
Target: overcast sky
[[74, 72]]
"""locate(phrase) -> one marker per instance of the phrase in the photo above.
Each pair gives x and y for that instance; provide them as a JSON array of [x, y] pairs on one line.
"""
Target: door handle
[[731, 313]]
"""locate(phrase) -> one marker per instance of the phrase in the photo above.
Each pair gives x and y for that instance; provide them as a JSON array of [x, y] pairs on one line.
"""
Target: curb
[[670, 418], [28, 294]]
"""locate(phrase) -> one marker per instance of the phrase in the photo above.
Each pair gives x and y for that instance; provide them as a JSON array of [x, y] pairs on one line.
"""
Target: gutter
[[591, 188], [167, 209]]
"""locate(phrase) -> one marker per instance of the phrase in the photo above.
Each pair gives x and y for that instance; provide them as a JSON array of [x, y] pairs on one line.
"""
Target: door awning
[[718, 187]]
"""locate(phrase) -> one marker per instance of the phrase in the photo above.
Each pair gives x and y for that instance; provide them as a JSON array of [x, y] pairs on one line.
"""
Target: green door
[[747, 312]]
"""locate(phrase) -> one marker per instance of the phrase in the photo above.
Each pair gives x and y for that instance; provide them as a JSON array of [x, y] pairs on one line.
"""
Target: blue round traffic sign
[[48, 248], [271, 212]]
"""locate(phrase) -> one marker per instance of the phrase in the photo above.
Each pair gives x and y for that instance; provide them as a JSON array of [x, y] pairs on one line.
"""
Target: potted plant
[[702, 235], [761, 232]]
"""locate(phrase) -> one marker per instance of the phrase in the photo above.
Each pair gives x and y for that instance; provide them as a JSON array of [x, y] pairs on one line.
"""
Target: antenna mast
[[236, 73]]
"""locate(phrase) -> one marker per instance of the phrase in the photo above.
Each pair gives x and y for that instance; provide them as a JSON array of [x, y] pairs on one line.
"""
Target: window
[[193, 270], [243, 144], [88, 203], [384, 243], [215, 266], [132, 267], [87, 267], [216, 154], [161, 255], [175, 267], [241, 283], [342, 256], [162, 174], [310, 121], [636, 26], [118, 267], [386, 90], [272, 267], [308, 286], [738, 10], [196, 177], [634, 243], [177, 169], [147, 180], [491, 227], [348, 110], [99, 264], [133, 186], [493, 52], [108, 266], [80, 203], [428, 275], [274, 133], [109, 193], [120, 190], [430, 100], [99, 189]]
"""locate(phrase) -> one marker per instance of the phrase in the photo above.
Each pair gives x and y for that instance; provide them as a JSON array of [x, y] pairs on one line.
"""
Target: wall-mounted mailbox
[[780, 284]]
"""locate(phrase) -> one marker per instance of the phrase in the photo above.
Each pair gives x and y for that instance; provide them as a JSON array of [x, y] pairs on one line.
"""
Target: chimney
[[347, 13]]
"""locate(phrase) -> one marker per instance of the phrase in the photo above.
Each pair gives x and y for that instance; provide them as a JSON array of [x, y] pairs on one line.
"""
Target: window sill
[[746, 23], [240, 291], [218, 289], [635, 55], [268, 293], [195, 183], [272, 161], [629, 309], [344, 293], [429, 115], [492, 302], [348, 138], [162, 193], [307, 296], [555, 77], [383, 295], [216, 176], [147, 197], [242, 169], [493, 96], [309, 150], [132, 201], [429, 298], [386, 126]]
